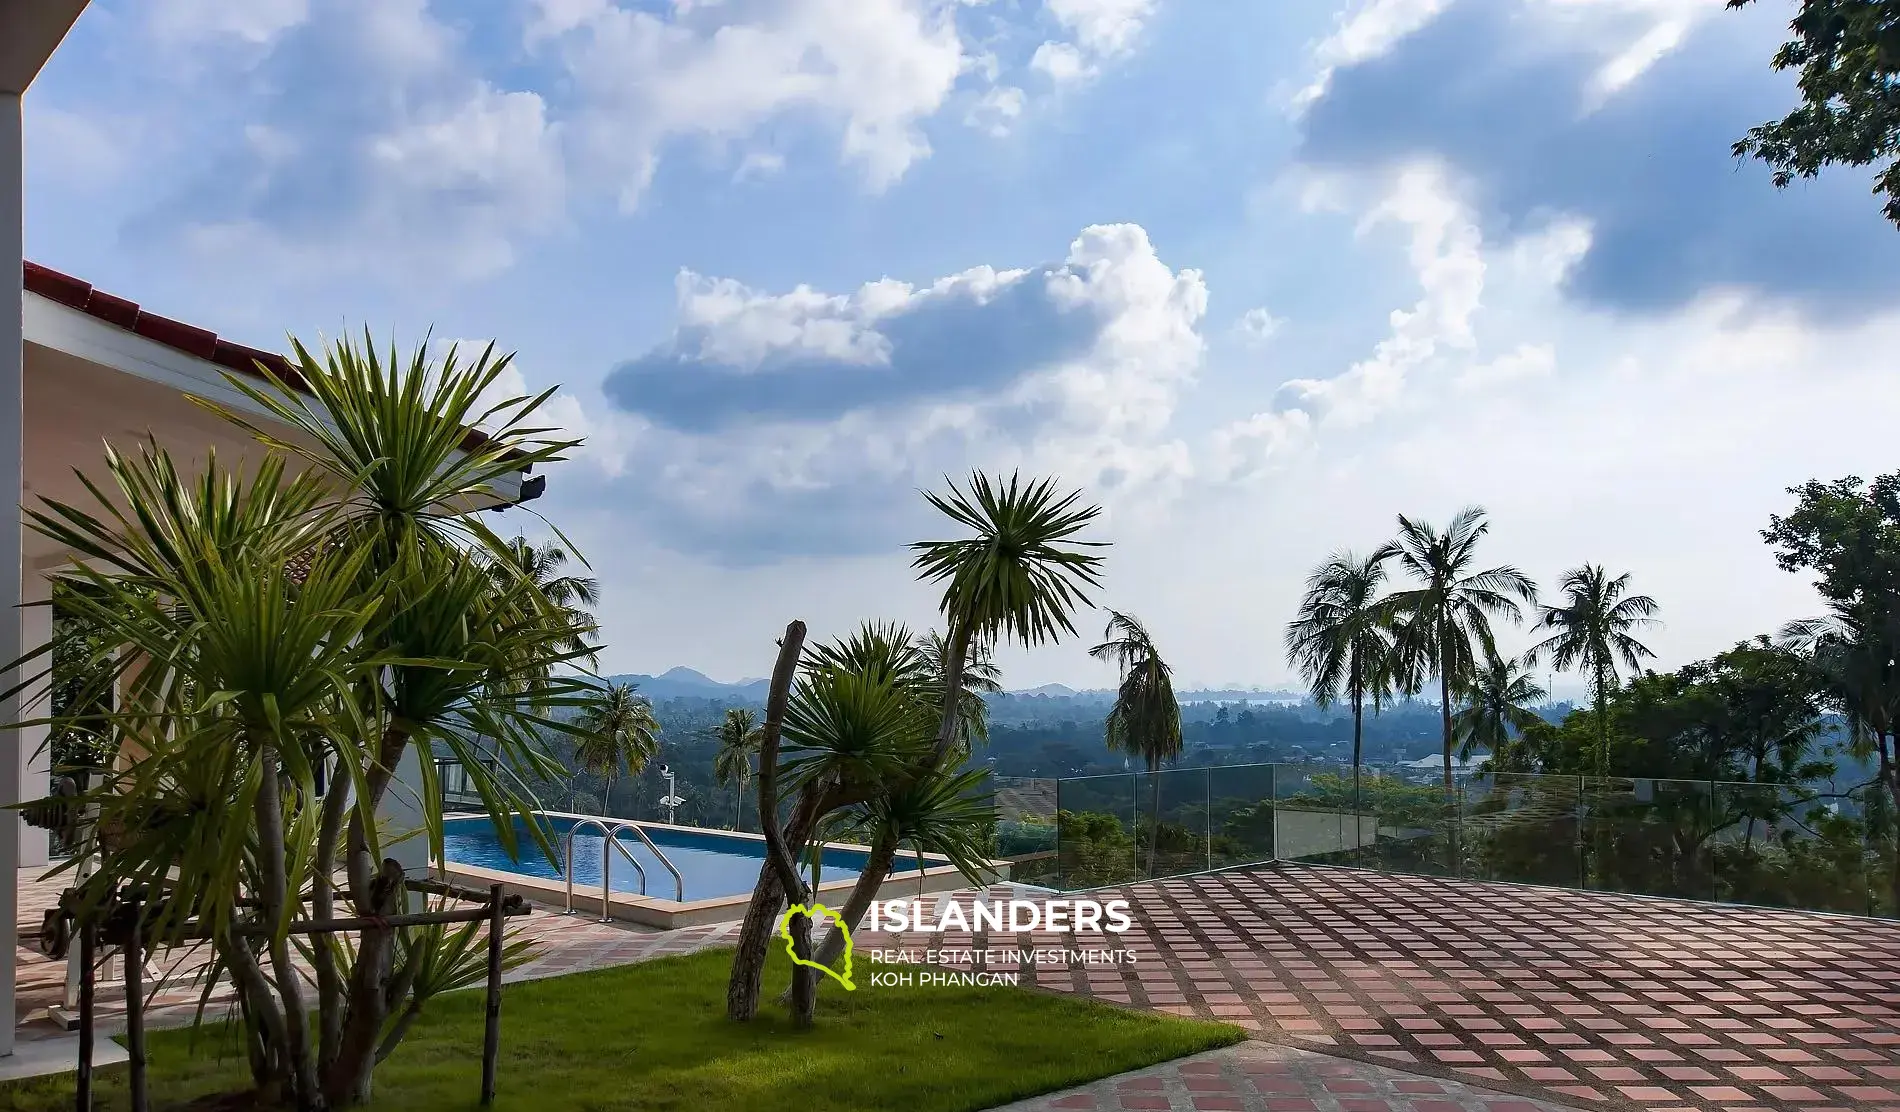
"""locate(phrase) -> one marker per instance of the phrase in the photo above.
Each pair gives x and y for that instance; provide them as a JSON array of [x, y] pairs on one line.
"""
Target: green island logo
[[818, 913]]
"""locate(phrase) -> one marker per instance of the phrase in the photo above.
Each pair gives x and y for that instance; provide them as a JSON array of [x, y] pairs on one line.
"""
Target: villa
[[1363, 962]]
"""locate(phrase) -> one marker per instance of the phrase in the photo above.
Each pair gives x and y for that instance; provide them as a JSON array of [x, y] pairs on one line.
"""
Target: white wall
[[12, 301], [36, 757]]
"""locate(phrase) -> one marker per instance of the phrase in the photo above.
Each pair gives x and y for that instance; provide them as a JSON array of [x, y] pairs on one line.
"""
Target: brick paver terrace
[[1584, 998]]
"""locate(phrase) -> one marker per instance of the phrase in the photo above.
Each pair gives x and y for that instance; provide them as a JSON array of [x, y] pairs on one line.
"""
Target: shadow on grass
[[654, 1036]]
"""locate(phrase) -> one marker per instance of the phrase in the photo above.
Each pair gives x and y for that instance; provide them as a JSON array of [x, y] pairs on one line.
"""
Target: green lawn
[[654, 1036]]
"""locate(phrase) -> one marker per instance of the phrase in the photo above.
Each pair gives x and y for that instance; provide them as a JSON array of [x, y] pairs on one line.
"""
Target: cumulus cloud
[[775, 423], [1617, 114]]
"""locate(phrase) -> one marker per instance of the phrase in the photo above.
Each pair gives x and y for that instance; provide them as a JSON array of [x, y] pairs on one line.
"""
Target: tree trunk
[[778, 876], [275, 900], [347, 1080], [1444, 711], [323, 906], [1154, 816], [883, 855], [1358, 711]]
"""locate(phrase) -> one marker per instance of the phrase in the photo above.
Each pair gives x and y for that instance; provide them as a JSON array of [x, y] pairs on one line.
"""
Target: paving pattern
[[1584, 998], [1259, 1077]]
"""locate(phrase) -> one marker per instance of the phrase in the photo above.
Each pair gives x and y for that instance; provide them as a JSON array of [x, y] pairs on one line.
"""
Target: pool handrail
[[606, 862], [679, 882]]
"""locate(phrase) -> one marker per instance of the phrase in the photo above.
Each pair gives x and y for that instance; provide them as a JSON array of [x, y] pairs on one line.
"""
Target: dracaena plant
[[284, 635]]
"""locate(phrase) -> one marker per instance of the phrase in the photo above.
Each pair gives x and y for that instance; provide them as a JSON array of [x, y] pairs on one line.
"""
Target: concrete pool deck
[[664, 914]]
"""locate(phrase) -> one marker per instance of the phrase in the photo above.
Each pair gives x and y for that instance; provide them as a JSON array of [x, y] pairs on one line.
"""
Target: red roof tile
[[190, 339]]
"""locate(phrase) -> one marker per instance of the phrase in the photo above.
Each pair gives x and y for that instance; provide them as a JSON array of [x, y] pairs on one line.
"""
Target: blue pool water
[[713, 864]]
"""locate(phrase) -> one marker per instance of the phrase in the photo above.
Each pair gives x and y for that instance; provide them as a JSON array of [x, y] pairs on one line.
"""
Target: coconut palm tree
[[1340, 643], [617, 730], [1442, 626], [572, 597], [1593, 630], [1498, 702], [738, 738], [1145, 720]]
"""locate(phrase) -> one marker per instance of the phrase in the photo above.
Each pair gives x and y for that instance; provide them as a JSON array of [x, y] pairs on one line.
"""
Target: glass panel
[[1649, 837], [1026, 827], [1095, 831], [1414, 821], [1171, 825], [1240, 814], [1523, 829], [1783, 846], [1313, 817]]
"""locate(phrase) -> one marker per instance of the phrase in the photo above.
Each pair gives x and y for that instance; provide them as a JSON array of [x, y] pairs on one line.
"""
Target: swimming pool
[[713, 864]]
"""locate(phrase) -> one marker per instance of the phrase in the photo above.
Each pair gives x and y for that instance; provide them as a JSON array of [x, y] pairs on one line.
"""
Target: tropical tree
[[1020, 574], [1442, 626], [1594, 630], [572, 596], [1340, 642], [1848, 115], [1145, 720], [738, 738], [981, 677], [268, 682], [1497, 705], [617, 731]]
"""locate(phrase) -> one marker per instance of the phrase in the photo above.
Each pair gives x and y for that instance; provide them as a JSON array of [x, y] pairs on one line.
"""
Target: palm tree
[[1497, 702], [981, 677], [1145, 721], [738, 738], [1444, 623], [1592, 631], [617, 730], [1020, 575], [1853, 651], [572, 597], [1339, 642]]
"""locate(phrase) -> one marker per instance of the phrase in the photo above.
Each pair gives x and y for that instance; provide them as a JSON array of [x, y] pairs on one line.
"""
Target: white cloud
[[1257, 325], [256, 22], [1367, 30], [1097, 32], [1632, 35], [877, 68], [1445, 252], [997, 110], [1096, 409]]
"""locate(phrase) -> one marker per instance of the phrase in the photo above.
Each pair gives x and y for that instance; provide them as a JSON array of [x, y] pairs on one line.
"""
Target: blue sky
[[1257, 276]]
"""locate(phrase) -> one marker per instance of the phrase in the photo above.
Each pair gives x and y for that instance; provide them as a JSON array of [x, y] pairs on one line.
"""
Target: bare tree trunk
[[778, 876], [1444, 712]]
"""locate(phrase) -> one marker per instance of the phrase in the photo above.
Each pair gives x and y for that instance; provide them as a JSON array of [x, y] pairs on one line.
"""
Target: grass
[[654, 1036]]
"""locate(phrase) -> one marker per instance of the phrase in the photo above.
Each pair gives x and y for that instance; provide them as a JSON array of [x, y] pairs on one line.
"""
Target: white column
[[12, 360], [36, 756]]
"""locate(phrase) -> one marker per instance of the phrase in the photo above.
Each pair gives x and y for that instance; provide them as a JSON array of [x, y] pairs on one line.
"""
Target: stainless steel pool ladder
[[610, 841]]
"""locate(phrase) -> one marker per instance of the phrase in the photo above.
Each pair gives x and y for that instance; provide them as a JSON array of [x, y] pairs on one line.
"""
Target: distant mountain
[[685, 683], [1053, 690]]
